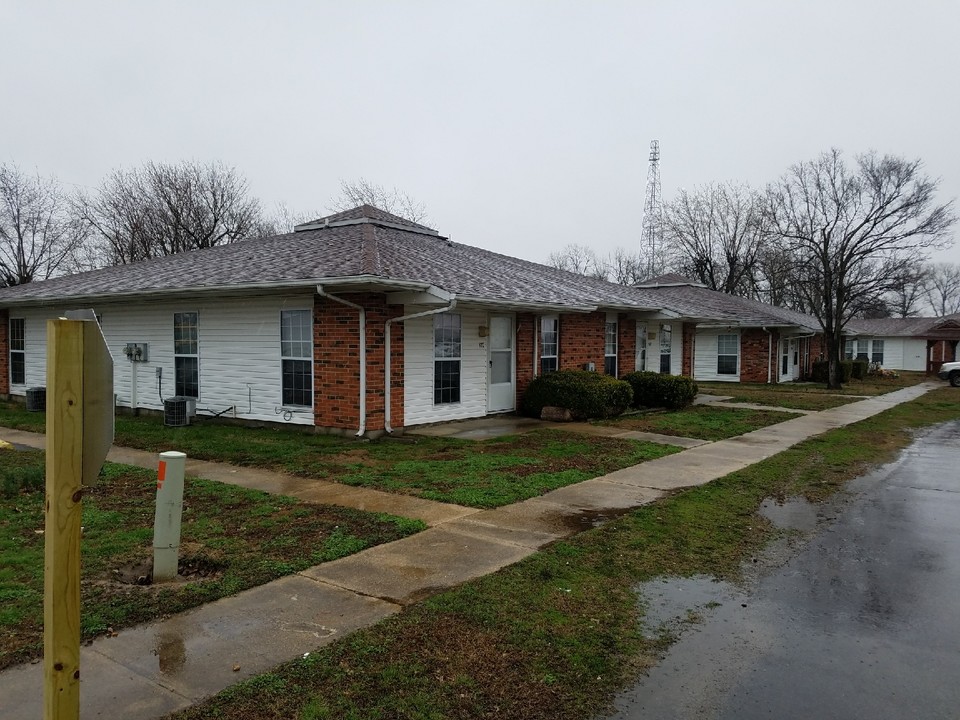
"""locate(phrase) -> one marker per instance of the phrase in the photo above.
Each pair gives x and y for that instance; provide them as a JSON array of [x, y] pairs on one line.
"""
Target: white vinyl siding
[[908, 354], [241, 352], [419, 369], [705, 361]]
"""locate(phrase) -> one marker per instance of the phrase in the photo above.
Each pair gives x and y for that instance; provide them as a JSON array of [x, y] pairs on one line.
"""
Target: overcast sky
[[522, 126]]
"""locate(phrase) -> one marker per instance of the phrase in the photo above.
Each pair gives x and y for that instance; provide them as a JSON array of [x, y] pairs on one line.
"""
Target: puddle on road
[[796, 513], [672, 602]]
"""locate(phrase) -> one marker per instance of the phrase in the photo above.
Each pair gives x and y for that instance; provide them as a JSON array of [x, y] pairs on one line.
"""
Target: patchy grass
[[701, 421], [784, 399], [479, 474], [553, 637], [802, 391], [232, 539]]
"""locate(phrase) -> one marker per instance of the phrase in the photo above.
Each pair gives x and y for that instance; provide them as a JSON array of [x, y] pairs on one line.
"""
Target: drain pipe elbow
[[387, 360], [361, 431]]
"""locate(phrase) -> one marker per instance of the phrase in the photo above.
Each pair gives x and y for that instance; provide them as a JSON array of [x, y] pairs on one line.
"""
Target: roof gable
[[364, 214]]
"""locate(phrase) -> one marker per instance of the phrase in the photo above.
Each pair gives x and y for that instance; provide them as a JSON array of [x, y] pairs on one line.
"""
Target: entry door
[[788, 360], [501, 376], [641, 363]]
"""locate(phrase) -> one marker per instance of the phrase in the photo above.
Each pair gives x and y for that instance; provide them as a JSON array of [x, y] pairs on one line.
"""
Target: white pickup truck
[[950, 371]]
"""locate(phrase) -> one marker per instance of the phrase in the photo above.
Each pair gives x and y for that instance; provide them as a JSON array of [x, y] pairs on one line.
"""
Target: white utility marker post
[[79, 434], [166, 524]]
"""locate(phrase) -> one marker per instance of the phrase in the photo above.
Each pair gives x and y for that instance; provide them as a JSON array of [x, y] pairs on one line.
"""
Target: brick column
[[526, 333], [626, 344], [689, 341], [755, 354], [336, 362]]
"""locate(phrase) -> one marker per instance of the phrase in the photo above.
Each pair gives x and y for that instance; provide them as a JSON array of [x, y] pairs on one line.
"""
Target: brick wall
[[689, 339], [626, 345], [755, 356], [336, 358], [4, 353], [582, 340], [527, 328]]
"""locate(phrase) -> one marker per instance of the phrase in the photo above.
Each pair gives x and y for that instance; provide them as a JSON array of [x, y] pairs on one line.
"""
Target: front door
[[641, 360], [501, 376], [789, 360]]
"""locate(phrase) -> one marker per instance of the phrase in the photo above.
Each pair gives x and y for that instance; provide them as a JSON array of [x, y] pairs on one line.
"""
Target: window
[[666, 339], [610, 347], [296, 357], [876, 354], [848, 349], [863, 349], [186, 355], [549, 343], [18, 361], [728, 354], [446, 358]]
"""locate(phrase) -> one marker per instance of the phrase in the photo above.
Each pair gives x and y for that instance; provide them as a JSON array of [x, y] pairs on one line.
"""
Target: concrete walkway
[[150, 670]]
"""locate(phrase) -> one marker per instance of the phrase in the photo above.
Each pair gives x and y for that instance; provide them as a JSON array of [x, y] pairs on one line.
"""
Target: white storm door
[[501, 375], [641, 360]]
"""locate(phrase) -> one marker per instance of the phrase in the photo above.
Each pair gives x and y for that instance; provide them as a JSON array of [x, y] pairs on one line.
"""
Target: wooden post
[[79, 434], [61, 597]]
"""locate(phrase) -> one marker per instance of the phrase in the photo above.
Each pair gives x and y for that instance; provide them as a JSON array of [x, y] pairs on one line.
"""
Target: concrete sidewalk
[[153, 669]]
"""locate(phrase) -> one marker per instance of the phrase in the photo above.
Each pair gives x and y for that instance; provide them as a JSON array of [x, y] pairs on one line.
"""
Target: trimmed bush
[[860, 369], [652, 389], [585, 394], [821, 370]]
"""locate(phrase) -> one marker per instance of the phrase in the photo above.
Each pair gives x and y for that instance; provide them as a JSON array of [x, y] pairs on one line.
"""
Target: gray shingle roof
[[363, 242], [694, 300], [902, 327]]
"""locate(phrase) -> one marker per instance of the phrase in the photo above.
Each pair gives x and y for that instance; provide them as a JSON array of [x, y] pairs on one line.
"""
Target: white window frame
[[848, 346], [21, 351], [178, 354], [553, 357], [297, 352], [443, 321], [735, 356], [874, 352], [611, 344]]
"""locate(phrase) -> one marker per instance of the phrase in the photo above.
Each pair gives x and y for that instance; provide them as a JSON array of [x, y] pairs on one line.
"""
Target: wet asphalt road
[[862, 620]]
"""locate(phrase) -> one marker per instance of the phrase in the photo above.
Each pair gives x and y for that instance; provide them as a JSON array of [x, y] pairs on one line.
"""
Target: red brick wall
[[755, 357], [582, 340], [528, 326], [626, 344], [4, 352], [689, 338], [336, 358]]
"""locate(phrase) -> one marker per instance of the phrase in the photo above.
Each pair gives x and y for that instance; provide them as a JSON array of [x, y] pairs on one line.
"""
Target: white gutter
[[363, 354], [386, 355]]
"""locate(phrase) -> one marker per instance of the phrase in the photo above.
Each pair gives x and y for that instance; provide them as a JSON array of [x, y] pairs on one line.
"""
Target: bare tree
[[282, 220], [364, 192], [851, 230], [624, 268], [906, 297], [579, 259], [716, 234], [943, 288], [162, 209], [38, 237]]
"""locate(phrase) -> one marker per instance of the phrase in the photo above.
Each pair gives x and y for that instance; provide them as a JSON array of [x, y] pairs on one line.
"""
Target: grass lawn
[[553, 637], [478, 474], [811, 396], [701, 421], [232, 539]]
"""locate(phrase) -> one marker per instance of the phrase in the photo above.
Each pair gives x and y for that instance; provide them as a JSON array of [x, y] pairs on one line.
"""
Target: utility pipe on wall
[[386, 355], [363, 354]]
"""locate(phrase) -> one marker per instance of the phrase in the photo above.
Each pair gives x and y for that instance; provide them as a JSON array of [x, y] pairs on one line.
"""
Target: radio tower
[[651, 233]]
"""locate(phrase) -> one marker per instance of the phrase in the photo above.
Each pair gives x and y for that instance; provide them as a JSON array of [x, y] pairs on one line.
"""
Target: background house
[[921, 344]]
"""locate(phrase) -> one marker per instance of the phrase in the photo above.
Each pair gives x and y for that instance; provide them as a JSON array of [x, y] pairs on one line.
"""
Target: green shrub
[[585, 394], [859, 369], [821, 368], [652, 389]]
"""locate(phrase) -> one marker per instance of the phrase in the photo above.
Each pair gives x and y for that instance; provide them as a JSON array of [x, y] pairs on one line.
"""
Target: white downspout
[[769, 352], [387, 362], [363, 354]]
